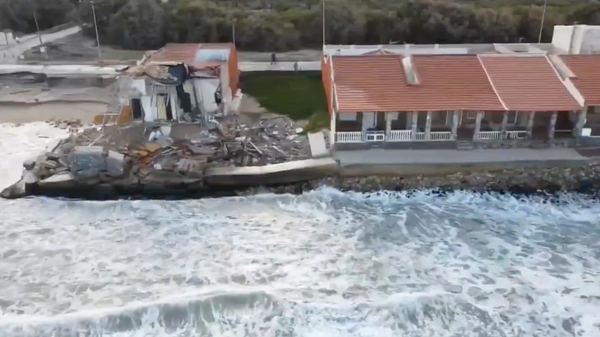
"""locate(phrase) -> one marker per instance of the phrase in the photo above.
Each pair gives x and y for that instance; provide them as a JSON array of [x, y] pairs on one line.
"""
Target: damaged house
[[185, 83]]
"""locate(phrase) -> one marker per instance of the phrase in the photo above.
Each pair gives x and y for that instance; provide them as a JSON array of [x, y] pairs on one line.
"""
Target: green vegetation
[[278, 25], [297, 95]]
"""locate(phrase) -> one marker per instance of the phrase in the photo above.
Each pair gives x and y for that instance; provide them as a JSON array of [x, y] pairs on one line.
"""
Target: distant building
[[185, 82]]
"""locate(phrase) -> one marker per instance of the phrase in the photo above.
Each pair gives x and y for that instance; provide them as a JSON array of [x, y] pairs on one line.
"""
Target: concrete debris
[[173, 151]]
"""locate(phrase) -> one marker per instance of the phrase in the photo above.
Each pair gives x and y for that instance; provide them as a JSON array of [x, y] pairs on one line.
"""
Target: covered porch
[[440, 126]]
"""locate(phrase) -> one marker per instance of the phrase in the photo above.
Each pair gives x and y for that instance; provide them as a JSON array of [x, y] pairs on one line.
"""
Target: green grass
[[298, 95]]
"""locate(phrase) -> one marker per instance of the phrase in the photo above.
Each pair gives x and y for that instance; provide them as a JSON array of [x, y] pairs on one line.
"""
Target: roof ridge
[[491, 83]]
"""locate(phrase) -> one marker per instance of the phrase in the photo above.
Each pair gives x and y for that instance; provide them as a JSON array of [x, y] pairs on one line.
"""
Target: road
[[279, 66], [65, 70], [10, 54]]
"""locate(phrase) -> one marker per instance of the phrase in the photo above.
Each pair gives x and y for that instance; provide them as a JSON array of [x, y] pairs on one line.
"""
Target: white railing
[[375, 136], [489, 135], [349, 137], [400, 136], [420, 136], [516, 134], [440, 135]]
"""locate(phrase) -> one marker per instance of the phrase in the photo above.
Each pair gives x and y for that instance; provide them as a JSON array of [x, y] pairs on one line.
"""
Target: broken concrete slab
[[60, 180], [201, 150]]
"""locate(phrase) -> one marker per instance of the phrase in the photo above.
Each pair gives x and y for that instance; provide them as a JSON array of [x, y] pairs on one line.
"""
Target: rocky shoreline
[[538, 181]]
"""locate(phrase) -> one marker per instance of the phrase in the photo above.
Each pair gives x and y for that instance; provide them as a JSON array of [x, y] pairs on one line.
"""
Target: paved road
[[279, 66], [10, 54], [401, 157]]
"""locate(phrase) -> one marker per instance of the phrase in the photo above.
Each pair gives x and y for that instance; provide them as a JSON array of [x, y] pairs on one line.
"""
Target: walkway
[[279, 66], [419, 157], [10, 54]]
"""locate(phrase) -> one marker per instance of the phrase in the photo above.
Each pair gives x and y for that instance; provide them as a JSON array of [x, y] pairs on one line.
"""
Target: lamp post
[[37, 26], [95, 28], [324, 41], [542, 24]]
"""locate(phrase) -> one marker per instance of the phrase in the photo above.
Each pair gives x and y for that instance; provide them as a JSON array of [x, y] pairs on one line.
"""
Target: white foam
[[341, 264]]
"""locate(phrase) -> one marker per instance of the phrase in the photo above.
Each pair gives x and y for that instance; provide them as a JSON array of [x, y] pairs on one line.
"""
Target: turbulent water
[[324, 264]]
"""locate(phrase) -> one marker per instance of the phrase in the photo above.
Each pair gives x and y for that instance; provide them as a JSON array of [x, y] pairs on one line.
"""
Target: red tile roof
[[452, 82], [370, 83], [587, 75], [176, 52], [528, 83], [379, 83], [185, 52]]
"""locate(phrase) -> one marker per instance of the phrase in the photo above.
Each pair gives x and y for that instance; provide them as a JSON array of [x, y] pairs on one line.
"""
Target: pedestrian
[[273, 58], [296, 66]]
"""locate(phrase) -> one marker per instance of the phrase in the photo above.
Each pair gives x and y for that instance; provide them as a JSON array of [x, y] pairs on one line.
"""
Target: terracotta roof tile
[[452, 82], [185, 52], [370, 83], [176, 52], [528, 83], [587, 75]]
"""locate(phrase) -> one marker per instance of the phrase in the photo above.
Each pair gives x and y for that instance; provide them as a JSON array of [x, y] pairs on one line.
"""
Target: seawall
[[301, 176]]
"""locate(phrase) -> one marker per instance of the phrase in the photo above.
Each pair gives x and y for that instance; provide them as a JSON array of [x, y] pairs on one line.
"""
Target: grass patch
[[298, 95]]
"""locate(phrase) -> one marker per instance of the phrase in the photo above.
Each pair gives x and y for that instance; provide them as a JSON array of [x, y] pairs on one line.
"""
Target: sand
[[27, 113]]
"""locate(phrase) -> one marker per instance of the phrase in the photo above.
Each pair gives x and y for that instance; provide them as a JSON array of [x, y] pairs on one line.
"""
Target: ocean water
[[323, 264]]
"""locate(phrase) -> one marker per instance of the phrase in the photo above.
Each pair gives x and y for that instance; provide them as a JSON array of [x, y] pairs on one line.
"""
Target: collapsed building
[[183, 83]]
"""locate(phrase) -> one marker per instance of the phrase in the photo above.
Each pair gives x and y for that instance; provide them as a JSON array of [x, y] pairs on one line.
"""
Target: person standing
[[273, 58]]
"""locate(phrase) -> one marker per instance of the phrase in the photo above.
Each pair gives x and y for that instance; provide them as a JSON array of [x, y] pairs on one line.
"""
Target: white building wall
[[206, 88], [577, 39]]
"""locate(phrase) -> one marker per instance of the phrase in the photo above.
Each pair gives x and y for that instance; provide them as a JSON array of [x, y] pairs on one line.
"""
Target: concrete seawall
[[302, 175]]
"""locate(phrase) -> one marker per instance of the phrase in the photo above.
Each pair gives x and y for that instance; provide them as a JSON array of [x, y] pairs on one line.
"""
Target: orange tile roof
[[185, 52], [176, 52], [452, 82], [370, 83], [528, 83], [587, 75], [378, 83]]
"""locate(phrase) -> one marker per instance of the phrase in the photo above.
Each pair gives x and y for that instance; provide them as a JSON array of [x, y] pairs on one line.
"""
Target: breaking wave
[[325, 263]]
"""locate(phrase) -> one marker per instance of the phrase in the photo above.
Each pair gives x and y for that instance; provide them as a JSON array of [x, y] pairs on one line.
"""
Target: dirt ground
[[77, 48]]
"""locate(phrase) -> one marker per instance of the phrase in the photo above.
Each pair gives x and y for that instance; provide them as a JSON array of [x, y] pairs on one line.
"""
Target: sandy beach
[[37, 102]]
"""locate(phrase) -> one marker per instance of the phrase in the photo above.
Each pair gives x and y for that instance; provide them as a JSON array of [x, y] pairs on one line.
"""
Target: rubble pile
[[270, 141], [72, 124]]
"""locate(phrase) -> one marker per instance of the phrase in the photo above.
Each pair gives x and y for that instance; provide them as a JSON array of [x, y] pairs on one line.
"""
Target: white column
[[455, 125], [332, 126], [388, 123], [477, 125], [504, 122], [581, 117], [428, 126], [365, 121], [530, 120], [552, 125], [174, 106], [413, 126]]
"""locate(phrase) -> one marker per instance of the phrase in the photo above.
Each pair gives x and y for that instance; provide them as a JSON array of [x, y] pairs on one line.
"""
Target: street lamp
[[542, 24], [37, 26], [96, 28]]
